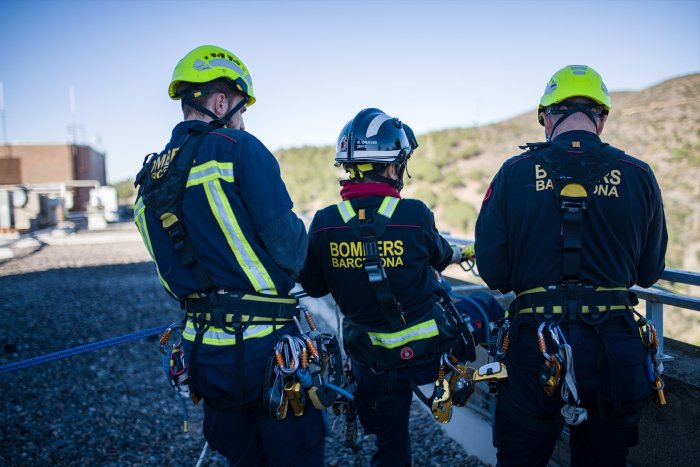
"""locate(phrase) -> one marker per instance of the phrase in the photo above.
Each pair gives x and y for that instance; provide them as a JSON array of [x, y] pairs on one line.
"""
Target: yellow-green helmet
[[574, 81], [207, 63]]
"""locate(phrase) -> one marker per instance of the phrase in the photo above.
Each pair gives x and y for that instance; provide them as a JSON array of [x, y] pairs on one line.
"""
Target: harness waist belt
[[557, 299], [235, 305]]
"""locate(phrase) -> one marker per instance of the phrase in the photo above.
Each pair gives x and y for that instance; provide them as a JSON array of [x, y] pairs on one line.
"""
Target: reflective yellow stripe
[[209, 171], [346, 211], [219, 337], [388, 206], [244, 318], [390, 340], [245, 256], [585, 308], [255, 298], [140, 219], [544, 290]]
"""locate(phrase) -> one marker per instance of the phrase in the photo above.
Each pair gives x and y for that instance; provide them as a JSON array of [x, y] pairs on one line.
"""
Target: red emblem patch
[[406, 353]]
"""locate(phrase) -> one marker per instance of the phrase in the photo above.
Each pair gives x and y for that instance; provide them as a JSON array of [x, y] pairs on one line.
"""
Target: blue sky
[[434, 64]]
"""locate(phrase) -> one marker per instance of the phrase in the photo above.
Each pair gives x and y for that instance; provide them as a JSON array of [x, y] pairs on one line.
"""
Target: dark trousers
[[609, 363], [384, 407], [249, 437]]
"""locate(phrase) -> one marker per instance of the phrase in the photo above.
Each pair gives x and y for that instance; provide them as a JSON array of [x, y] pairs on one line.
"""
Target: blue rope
[[80, 349]]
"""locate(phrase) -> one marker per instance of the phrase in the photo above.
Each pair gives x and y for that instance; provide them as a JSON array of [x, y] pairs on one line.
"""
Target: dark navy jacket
[[238, 215], [518, 231], [410, 248]]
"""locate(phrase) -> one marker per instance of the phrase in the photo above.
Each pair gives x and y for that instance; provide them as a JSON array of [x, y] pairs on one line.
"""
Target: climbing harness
[[163, 188], [369, 232]]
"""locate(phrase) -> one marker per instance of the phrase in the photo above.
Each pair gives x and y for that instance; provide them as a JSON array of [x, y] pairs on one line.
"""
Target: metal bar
[[655, 313], [667, 298], [684, 277]]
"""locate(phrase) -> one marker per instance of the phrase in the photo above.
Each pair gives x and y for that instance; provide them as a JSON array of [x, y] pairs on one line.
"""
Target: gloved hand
[[462, 253]]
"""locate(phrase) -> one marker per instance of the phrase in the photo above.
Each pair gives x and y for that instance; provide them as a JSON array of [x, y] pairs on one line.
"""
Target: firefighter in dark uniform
[[569, 226], [245, 248], [376, 253]]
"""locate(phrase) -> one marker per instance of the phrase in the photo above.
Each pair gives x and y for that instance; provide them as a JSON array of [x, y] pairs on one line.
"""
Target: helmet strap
[[235, 109], [187, 99], [572, 108]]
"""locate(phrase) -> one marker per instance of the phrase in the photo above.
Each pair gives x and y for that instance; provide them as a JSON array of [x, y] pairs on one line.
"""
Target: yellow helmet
[[207, 63], [574, 81]]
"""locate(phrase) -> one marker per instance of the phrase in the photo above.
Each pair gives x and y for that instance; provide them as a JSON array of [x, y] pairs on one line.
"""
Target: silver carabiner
[[167, 334]]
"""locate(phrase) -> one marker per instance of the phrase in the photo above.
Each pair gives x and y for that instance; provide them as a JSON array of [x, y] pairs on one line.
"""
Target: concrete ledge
[[668, 436]]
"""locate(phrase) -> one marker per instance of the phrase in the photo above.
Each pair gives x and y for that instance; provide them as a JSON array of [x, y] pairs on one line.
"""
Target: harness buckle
[[215, 315], [177, 235], [573, 206], [375, 271]]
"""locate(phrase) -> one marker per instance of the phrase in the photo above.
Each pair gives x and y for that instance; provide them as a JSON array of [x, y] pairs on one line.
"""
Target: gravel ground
[[112, 406]]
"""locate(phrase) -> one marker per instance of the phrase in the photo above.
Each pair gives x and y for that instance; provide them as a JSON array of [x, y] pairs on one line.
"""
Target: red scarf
[[351, 190]]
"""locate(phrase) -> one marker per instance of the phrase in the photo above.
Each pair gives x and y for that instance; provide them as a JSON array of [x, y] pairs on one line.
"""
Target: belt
[[233, 309], [572, 299]]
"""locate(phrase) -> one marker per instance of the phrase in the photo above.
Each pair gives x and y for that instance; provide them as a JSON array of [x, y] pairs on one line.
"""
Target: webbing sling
[[368, 233]]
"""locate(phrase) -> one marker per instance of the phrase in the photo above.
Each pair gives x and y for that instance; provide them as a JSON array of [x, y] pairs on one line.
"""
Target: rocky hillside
[[452, 168]]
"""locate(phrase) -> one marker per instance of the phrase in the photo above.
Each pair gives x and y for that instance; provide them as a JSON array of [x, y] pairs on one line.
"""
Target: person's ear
[[220, 104]]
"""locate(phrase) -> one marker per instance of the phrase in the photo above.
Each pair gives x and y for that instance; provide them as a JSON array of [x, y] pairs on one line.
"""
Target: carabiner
[[167, 334]]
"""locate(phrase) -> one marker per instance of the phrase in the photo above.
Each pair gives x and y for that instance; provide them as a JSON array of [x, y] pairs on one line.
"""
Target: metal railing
[[655, 296]]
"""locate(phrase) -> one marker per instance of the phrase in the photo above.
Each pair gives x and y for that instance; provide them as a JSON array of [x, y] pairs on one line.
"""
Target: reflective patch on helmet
[[375, 124], [200, 65], [222, 62], [550, 87], [579, 69], [604, 88]]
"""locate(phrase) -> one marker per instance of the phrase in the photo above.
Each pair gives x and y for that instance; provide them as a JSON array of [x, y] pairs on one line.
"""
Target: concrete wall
[[669, 435]]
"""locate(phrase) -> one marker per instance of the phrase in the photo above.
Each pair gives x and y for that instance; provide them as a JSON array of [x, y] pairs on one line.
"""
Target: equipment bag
[[418, 341]]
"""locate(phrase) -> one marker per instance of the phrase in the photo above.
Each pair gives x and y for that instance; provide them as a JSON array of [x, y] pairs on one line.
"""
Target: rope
[[201, 456], [81, 349]]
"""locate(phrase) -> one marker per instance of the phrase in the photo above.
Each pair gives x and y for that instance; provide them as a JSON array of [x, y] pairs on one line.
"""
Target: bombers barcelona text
[[352, 254]]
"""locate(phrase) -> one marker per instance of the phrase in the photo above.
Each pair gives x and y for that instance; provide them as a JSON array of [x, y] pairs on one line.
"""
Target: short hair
[[219, 85]]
